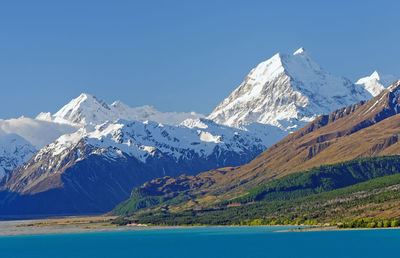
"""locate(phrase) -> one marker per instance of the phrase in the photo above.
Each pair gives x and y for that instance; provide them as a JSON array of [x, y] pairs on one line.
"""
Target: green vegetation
[[136, 202], [317, 180], [323, 179], [140, 200], [371, 223], [329, 207], [337, 194]]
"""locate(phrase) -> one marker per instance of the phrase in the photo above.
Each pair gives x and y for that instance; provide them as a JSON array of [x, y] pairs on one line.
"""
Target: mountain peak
[[85, 109], [299, 51], [375, 75], [376, 82], [84, 95], [287, 90], [82, 98]]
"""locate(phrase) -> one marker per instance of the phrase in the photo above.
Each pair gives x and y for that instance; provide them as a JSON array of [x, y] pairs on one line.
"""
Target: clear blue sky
[[178, 55]]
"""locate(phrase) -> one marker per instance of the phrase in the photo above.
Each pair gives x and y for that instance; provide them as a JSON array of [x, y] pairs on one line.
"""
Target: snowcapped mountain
[[84, 111], [287, 91], [92, 171], [14, 151], [95, 157], [376, 83], [87, 110]]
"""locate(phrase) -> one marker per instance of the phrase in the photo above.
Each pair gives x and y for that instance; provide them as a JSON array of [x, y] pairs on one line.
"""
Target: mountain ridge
[[88, 110]]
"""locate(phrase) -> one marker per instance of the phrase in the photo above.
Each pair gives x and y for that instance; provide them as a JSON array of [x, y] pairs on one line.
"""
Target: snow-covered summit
[[287, 91], [376, 82], [83, 110], [88, 110]]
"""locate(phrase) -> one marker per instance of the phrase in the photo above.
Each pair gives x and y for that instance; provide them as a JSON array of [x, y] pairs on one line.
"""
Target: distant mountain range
[[88, 110], [87, 157], [96, 167]]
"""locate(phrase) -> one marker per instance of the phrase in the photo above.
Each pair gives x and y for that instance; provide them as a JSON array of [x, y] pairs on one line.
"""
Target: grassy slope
[[322, 194], [316, 180]]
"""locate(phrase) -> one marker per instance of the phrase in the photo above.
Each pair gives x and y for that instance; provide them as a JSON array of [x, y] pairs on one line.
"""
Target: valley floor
[[65, 225]]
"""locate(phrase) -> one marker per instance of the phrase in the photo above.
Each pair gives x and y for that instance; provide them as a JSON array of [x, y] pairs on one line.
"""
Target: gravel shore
[[62, 226]]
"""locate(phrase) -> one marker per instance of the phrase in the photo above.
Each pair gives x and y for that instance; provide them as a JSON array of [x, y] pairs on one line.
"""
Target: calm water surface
[[207, 242]]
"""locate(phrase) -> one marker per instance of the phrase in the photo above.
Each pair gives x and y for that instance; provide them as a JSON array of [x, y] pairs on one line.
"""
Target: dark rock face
[[94, 183]]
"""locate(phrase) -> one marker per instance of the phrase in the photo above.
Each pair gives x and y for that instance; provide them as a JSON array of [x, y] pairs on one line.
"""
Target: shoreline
[[87, 224], [330, 228], [32, 228]]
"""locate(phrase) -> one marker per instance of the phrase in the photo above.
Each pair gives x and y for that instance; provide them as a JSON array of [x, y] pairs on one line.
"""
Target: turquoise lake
[[207, 242]]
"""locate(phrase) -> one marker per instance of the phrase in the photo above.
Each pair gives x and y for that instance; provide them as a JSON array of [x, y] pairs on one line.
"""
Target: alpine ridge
[[87, 110], [84, 111]]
